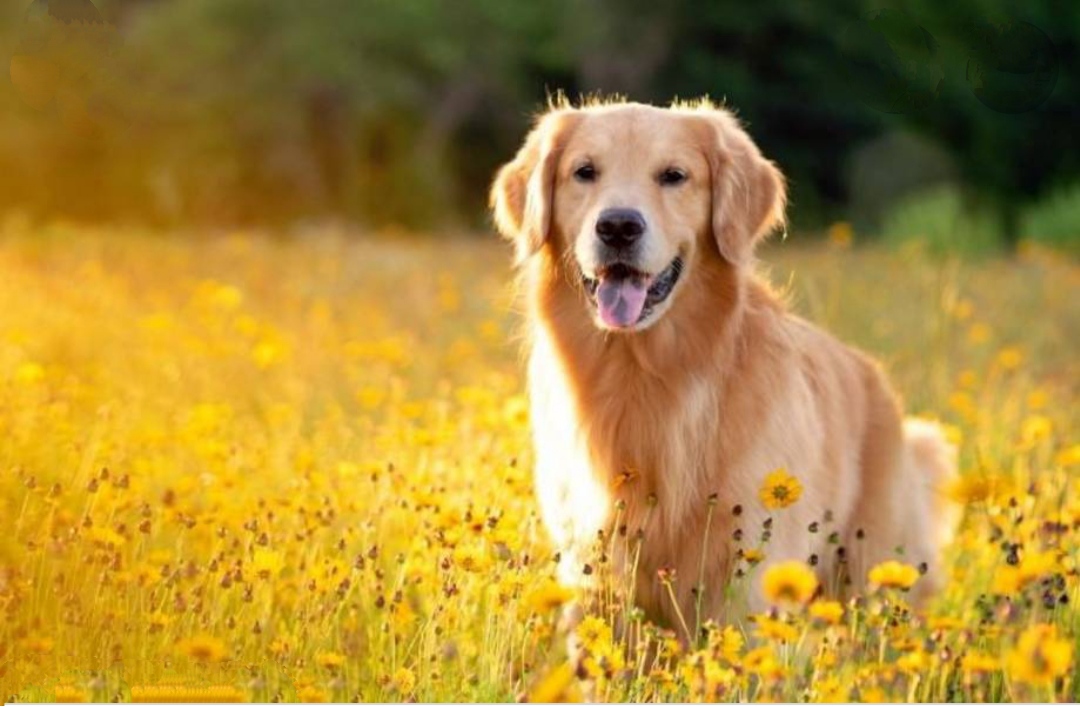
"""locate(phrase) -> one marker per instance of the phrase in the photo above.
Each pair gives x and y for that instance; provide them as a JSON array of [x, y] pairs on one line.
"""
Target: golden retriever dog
[[667, 380]]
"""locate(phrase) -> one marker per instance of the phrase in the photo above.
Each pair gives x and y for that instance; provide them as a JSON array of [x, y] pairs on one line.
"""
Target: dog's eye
[[671, 176], [585, 173]]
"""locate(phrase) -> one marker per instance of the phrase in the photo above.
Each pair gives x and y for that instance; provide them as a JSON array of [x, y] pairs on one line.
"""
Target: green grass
[[943, 222], [1054, 221]]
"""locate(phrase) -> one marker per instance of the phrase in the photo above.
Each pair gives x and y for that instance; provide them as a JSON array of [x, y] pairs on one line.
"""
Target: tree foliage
[[398, 111]]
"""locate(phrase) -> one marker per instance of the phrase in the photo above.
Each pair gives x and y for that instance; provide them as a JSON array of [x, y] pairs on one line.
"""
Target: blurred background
[[955, 122]]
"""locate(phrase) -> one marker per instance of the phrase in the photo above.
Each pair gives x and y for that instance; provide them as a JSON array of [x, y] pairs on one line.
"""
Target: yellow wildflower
[[1010, 358], [548, 597], [310, 693], [829, 612], [330, 660], [753, 556], [1039, 655], [774, 629], [872, 694], [1035, 429], [780, 490], [978, 487], [594, 634], [403, 681], [914, 661], [671, 646], [69, 693], [472, 558], [827, 659], [557, 686], [975, 662], [893, 575], [707, 679], [202, 648], [1070, 456], [789, 582], [762, 661], [830, 689], [729, 642], [1033, 566]]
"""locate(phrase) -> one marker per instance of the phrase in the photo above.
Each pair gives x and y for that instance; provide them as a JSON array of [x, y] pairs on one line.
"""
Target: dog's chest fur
[[641, 469], [661, 436]]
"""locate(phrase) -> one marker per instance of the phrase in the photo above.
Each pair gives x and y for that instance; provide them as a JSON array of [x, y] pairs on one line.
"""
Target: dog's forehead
[[633, 131]]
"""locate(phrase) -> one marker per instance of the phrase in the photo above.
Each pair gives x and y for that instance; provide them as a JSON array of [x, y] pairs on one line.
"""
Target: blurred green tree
[[398, 111]]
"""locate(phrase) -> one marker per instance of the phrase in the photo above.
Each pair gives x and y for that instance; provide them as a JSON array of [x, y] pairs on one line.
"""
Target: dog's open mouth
[[624, 296]]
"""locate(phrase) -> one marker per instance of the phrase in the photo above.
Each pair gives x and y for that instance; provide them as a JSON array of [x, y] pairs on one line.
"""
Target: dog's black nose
[[619, 228]]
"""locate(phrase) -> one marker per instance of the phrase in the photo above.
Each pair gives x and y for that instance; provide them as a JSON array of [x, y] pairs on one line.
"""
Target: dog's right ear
[[521, 197]]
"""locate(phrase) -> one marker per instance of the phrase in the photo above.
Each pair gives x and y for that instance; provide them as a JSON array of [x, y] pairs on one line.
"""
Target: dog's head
[[627, 196]]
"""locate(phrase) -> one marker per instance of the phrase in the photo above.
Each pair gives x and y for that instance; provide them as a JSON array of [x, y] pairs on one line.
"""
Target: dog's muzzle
[[625, 296]]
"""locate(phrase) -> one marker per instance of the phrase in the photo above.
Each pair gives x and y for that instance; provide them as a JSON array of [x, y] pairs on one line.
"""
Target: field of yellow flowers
[[245, 468]]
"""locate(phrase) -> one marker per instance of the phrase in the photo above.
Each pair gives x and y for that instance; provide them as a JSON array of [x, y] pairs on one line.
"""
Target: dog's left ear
[[748, 191], [522, 196]]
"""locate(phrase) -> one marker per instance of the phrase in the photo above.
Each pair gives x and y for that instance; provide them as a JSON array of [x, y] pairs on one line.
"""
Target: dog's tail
[[933, 459]]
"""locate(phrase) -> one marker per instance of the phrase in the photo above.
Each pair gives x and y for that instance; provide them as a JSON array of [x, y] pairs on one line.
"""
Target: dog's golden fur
[[636, 430]]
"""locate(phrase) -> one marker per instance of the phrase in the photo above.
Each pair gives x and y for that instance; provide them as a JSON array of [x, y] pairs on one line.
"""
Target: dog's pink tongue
[[621, 300]]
